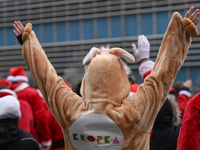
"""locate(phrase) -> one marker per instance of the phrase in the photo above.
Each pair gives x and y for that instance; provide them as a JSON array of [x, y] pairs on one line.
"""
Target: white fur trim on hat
[[9, 108], [9, 92], [185, 92], [17, 78], [145, 67]]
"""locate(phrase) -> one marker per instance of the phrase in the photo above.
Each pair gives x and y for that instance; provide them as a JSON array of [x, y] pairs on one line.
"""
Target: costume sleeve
[[189, 132], [150, 96], [60, 99]]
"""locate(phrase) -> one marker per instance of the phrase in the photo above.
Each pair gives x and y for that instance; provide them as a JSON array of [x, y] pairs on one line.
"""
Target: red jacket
[[183, 98], [31, 96], [26, 121], [56, 133], [189, 135]]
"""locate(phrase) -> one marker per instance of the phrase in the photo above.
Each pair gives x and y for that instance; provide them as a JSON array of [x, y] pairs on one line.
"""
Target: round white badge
[[96, 132]]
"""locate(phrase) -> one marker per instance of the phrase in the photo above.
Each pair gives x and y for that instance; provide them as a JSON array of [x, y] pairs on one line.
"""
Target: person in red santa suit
[[26, 121], [57, 135], [19, 83], [189, 135], [182, 94]]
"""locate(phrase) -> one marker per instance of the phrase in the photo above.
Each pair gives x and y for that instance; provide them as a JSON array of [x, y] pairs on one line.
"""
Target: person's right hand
[[143, 48], [194, 16], [19, 28]]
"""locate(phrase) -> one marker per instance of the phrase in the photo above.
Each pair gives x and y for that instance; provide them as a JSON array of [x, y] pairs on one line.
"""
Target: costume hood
[[105, 78]]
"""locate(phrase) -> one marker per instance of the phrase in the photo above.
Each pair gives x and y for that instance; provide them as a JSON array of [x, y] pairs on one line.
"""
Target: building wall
[[68, 29]]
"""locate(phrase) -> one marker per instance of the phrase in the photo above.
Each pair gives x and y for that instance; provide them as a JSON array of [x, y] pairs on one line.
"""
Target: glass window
[[61, 31], [1, 37], [131, 25], [10, 36], [88, 29], [116, 26], [162, 22], [36, 29], [48, 33], [102, 28], [146, 24], [74, 30]]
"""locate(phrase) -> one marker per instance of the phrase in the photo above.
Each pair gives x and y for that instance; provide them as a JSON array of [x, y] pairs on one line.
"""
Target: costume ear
[[122, 53], [92, 53]]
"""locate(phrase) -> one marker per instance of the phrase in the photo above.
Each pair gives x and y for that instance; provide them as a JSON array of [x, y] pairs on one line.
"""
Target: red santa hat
[[173, 91], [4, 81], [17, 74]]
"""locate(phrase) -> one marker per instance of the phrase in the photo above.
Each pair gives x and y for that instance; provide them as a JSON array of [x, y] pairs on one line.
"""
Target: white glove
[[143, 48]]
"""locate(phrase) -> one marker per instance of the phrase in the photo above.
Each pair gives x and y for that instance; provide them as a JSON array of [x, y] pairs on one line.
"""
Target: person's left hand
[[19, 28]]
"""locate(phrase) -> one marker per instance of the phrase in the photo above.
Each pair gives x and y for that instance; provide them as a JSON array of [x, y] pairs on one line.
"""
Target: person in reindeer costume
[[106, 117]]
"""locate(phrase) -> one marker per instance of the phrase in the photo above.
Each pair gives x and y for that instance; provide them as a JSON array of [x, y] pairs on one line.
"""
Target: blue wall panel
[[102, 28], [131, 25], [181, 76], [181, 11], [146, 24], [195, 75], [1, 37], [74, 31], [10, 36], [36, 29], [88, 29], [116, 26], [162, 21], [48, 33], [61, 34]]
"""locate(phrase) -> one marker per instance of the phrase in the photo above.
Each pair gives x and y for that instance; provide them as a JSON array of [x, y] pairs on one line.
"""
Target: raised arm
[[151, 95], [60, 99]]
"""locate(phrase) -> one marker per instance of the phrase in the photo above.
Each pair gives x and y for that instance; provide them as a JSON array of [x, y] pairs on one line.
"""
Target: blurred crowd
[[34, 117]]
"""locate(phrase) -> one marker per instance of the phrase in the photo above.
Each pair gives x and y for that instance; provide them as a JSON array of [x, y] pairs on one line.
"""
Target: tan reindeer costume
[[106, 117]]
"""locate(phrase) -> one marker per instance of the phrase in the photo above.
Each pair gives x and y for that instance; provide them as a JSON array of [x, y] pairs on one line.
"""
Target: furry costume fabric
[[101, 94], [189, 133]]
